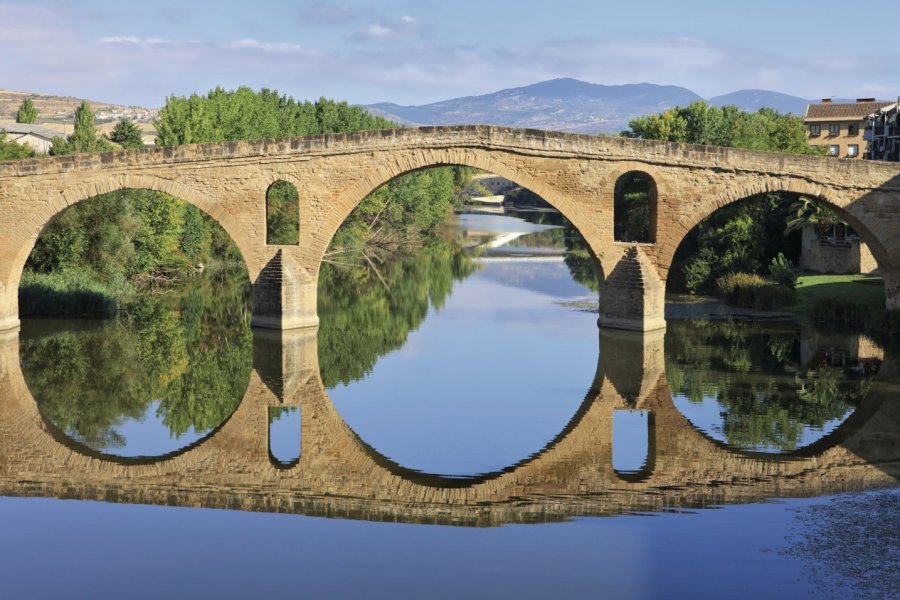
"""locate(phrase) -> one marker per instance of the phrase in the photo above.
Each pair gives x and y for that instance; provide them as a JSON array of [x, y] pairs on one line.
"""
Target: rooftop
[[844, 111], [25, 128]]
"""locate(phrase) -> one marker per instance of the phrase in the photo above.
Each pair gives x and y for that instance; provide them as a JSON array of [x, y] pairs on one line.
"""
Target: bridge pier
[[632, 361], [286, 362], [284, 295], [632, 296], [9, 307]]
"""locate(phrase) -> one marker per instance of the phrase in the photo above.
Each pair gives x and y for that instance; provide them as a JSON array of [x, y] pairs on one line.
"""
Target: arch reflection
[[339, 476], [153, 381]]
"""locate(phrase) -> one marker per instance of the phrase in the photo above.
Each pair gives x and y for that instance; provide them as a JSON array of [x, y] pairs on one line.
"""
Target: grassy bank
[[865, 290], [71, 293], [850, 302]]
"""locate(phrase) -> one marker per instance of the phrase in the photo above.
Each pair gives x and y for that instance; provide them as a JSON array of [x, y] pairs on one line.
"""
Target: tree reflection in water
[[363, 316], [767, 395], [187, 352]]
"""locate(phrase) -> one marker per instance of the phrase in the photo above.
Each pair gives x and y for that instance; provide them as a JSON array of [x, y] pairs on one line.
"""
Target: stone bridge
[[338, 474], [333, 173]]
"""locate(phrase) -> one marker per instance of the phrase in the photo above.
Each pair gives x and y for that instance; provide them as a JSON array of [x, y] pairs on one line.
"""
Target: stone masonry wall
[[333, 173]]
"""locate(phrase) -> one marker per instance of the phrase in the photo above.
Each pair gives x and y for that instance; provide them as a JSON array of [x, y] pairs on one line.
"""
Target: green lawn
[[867, 290]]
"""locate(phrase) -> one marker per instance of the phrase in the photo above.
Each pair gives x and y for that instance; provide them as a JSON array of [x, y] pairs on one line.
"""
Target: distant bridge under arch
[[334, 173]]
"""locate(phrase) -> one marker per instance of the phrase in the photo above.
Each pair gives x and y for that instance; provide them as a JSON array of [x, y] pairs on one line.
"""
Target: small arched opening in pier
[[634, 208], [633, 443], [282, 214], [285, 431]]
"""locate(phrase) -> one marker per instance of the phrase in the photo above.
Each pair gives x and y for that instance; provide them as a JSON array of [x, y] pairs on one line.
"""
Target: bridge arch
[[489, 160], [11, 271], [869, 231]]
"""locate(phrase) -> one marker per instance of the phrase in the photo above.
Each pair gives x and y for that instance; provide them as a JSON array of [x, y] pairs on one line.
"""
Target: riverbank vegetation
[[746, 252], [104, 251]]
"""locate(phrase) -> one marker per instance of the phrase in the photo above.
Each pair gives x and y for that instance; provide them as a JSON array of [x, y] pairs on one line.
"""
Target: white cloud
[[138, 41], [391, 29], [271, 47], [396, 59]]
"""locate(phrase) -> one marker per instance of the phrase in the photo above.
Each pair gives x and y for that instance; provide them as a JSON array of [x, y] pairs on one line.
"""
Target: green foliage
[[127, 134], [700, 123], [84, 138], [10, 150], [117, 239], [243, 114], [753, 291], [189, 351], [741, 237], [365, 315], [851, 315], [195, 235], [754, 372], [782, 271], [282, 213], [70, 293], [27, 113], [808, 211]]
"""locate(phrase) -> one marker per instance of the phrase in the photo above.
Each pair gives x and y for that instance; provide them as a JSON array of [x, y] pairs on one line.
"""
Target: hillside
[[62, 108], [753, 100], [560, 104], [573, 105]]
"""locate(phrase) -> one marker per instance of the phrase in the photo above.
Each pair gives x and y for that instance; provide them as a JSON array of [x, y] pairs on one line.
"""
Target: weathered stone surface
[[333, 173]]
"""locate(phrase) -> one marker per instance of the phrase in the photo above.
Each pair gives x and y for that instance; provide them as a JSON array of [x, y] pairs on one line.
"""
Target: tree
[[27, 113], [10, 150], [807, 211], [127, 134], [84, 138], [700, 123]]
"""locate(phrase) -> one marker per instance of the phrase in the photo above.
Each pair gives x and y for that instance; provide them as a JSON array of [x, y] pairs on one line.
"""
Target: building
[[37, 136], [883, 133], [494, 183], [837, 249], [840, 125]]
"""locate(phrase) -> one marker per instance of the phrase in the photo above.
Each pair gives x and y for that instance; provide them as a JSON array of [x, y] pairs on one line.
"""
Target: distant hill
[[560, 104], [573, 105], [753, 100], [62, 108]]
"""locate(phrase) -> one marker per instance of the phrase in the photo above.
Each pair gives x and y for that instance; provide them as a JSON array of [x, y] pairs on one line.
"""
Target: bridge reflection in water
[[339, 475]]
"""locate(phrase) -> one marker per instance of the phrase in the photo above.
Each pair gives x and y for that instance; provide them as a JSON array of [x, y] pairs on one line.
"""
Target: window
[[815, 129], [834, 128], [834, 150], [853, 129], [853, 150]]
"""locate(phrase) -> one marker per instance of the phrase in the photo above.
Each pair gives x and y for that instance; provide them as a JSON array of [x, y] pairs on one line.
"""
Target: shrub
[[753, 291], [782, 271]]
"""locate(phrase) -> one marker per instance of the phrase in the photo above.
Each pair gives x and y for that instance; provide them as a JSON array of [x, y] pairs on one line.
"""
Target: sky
[[421, 51]]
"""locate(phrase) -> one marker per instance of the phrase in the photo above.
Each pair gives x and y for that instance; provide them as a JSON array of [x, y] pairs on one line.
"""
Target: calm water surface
[[475, 357]]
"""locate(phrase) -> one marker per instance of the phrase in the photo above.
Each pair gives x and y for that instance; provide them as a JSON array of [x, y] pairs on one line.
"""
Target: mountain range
[[571, 105], [558, 104]]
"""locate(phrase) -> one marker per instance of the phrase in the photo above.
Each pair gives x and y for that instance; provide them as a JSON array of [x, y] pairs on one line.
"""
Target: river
[[456, 427]]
